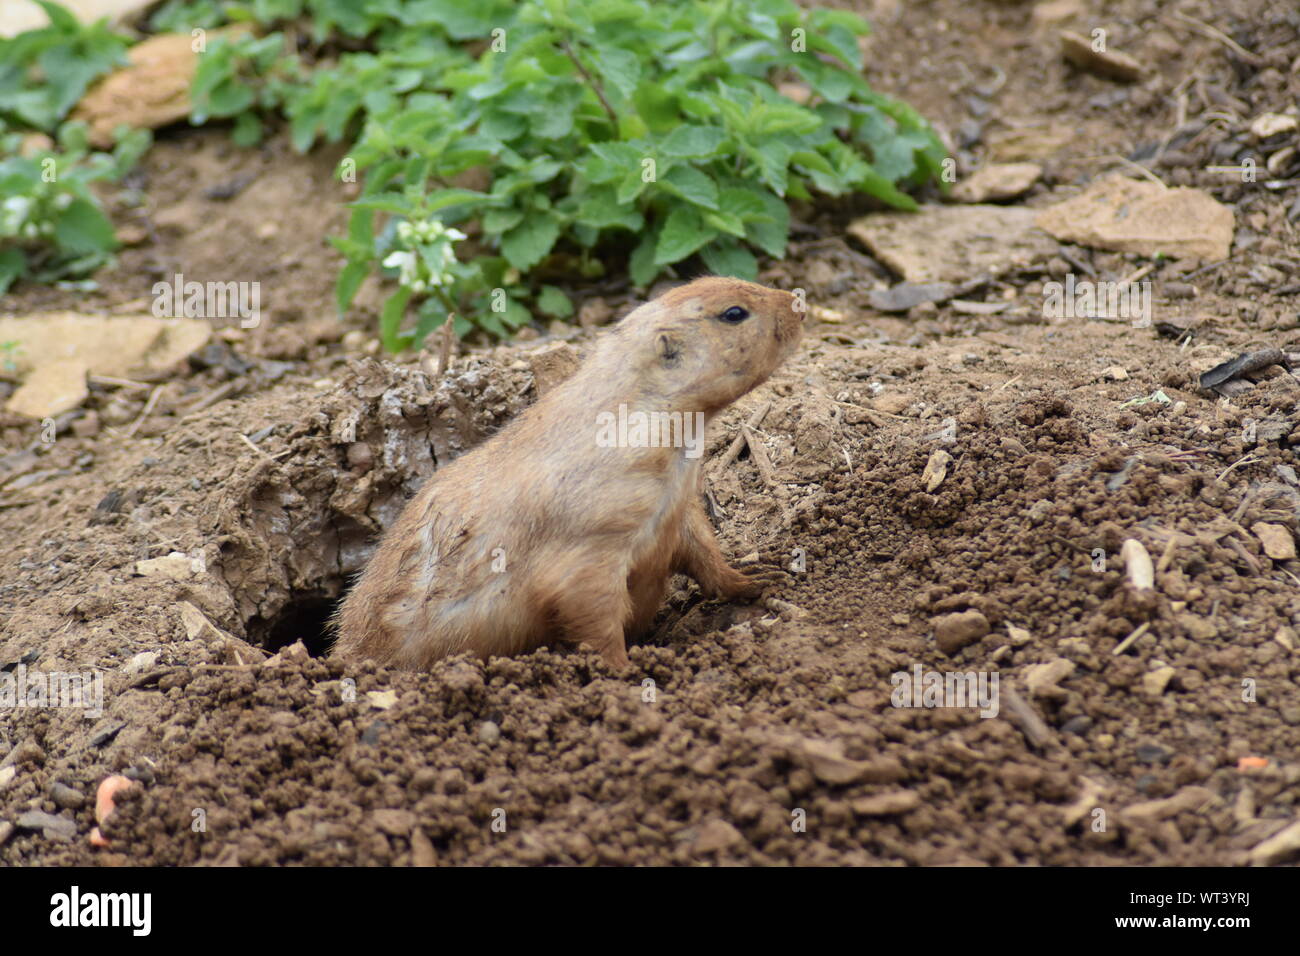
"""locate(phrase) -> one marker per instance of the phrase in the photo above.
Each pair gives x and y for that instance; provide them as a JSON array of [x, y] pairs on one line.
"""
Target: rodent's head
[[706, 343]]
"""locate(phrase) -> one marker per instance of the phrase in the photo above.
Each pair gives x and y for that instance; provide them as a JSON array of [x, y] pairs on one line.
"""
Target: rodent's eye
[[735, 314]]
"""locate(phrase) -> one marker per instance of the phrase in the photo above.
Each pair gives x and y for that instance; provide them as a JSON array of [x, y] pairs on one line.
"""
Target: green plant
[[592, 130], [43, 73], [665, 139], [51, 226]]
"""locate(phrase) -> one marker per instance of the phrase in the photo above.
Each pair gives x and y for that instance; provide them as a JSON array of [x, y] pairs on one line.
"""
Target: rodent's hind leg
[[591, 611], [698, 556]]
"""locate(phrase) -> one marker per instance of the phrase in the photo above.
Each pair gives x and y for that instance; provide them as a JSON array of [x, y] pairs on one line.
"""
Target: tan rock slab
[[1128, 215]]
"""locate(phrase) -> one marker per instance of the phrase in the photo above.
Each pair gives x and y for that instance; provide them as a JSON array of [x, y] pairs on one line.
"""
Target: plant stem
[[600, 94]]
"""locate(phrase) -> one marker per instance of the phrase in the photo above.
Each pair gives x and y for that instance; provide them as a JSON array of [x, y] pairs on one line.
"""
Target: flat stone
[[954, 243], [1128, 215], [997, 181]]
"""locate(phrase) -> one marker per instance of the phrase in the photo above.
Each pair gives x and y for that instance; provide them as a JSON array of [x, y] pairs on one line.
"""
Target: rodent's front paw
[[762, 578]]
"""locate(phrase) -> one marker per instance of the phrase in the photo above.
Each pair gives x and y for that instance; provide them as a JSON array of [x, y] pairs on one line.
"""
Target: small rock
[[1154, 682], [6, 831], [1019, 636], [489, 733], [66, 797], [196, 623], [1042, 679], [1108, 63], [936, 469], [1153, 753], [998, 181], [1286, 636], [908, 295], [952, 632], [51, 826], [1197, 628], [716, 835], [826, 761], [7, 775], [1116, 373], [1267, 125], [381, 699], [176, 566], [892, 403], [1277, 540], [887, 804], [1077, 725], [141, 662], [1276, 849], [1189, 798], [397, 823], [106, 733], [422, 851]]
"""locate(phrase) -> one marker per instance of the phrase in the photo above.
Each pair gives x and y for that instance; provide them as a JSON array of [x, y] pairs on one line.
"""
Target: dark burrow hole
[[303, 619]]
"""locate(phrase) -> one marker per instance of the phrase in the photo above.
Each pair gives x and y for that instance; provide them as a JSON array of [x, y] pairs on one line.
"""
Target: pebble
[[952, 632], [54, 828], [396, 823], [66, 797], [6, 831], [489, 733], [1077, 725], [141, 662], [716, 835], [1042, 679], [1155, 681], [1153, 753]]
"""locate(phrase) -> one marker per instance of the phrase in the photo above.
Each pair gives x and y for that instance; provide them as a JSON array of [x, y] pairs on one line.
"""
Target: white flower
[[17, 207], [399, 260]]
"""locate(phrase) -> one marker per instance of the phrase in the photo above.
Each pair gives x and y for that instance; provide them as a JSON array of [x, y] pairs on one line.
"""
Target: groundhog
[[568, 523]]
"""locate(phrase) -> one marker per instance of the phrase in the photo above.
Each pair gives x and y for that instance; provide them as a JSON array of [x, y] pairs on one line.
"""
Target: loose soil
[[750, 733]]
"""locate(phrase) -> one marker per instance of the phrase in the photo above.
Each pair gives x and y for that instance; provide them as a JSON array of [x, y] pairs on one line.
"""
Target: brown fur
[[589, 535]]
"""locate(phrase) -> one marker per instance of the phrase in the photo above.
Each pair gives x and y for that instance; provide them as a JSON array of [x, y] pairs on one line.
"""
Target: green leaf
[[692, 185], [684, 232], [620, 69], [641, 265], [600, 209], [347, 284], [500, 219], [746, 204], [551, 301], [771, 234], [390, 320], [528, 243], [692, 142], [12, 265], [726, 257], [83, 228]]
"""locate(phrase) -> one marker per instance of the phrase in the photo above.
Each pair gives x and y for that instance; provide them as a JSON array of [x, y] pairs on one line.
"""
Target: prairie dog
[[569, 522]]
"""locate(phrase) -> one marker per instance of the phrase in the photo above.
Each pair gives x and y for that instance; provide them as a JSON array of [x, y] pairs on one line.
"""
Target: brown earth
[[759, 733]]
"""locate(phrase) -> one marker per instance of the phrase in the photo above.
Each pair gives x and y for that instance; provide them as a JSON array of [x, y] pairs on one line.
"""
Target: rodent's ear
[[669, 349]]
